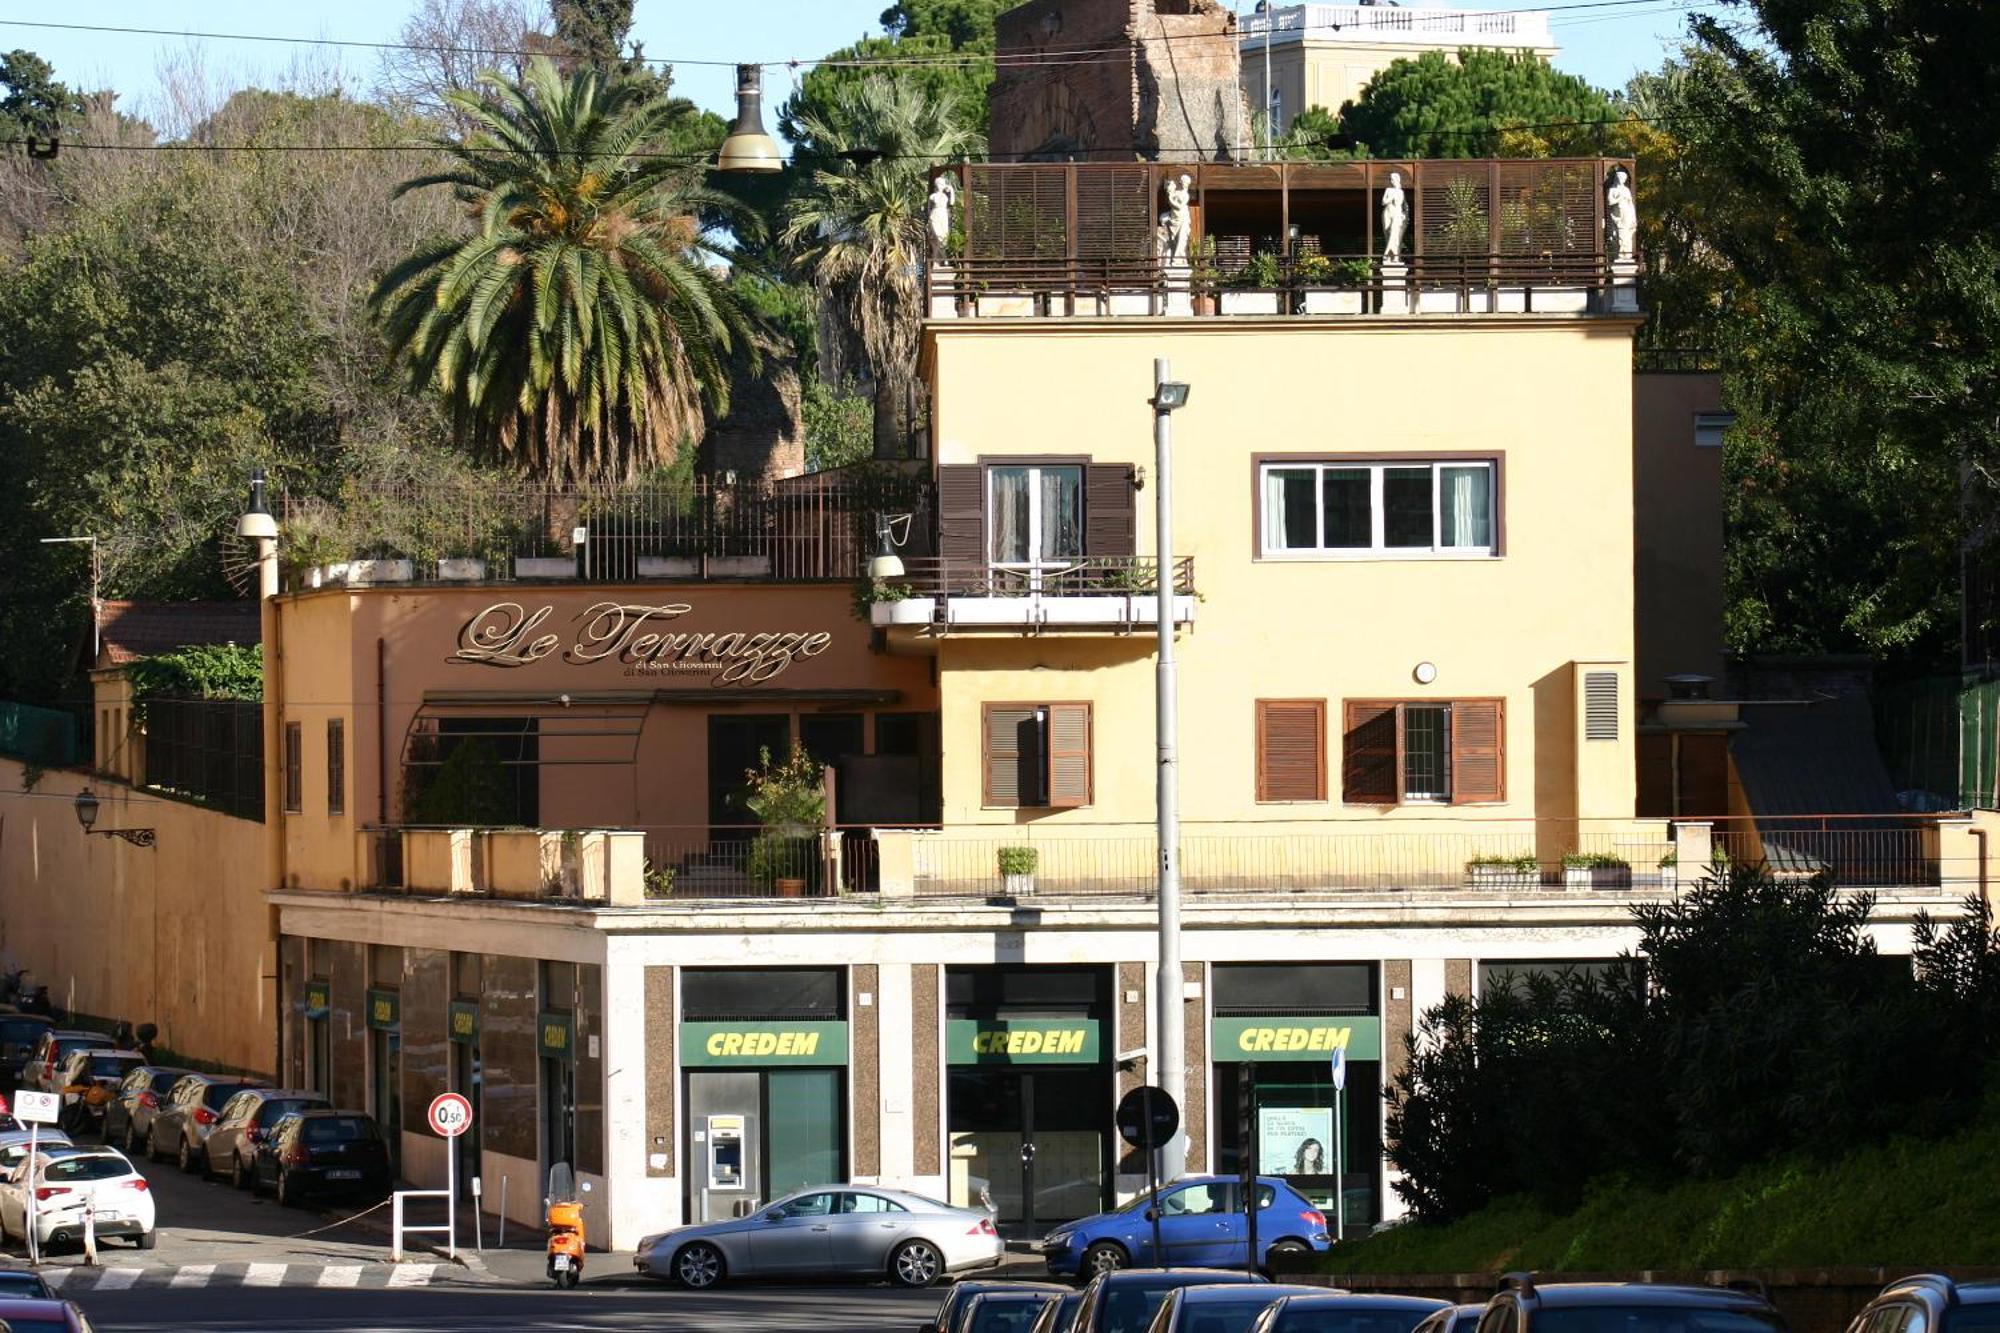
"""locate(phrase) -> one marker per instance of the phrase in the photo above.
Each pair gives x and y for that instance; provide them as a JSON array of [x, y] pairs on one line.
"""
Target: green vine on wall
[[201, 671]]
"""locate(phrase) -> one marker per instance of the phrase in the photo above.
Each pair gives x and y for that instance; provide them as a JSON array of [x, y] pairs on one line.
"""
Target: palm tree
[[578, 331], [857, 227]]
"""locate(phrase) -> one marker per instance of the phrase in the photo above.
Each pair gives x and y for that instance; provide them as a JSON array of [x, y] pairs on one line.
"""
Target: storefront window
[[1276, 1033]]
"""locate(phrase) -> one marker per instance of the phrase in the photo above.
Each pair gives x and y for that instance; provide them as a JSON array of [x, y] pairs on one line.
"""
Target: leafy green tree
[[940, 40], [1437, 107], [1855, 144], [839, 424], [857, 231], [32, 101], [579, 331]]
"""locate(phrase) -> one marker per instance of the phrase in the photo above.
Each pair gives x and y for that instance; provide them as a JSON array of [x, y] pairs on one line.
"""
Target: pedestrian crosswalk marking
[[264, 1275], [80, 1280], [54, 1277], [118, 1279], [340, 1275], [190, 1275], [411, 1275]]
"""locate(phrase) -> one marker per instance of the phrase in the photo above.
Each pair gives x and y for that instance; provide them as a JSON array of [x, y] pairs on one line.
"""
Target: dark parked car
[[1586, 1307], [242, 1124], [954, 1301], [1003, 1311], [1126, 1301], [1228, 1309], [51, 1049], [1932, 1303], [24, 1284], [1348, 1312], [28, 1316], [181, 1125], [1453, 1319], [19, 1034], [322, 1152], [128, 1117]]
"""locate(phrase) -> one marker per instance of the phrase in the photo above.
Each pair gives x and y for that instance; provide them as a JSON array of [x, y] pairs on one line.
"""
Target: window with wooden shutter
[[1369, 767], [1110, 510], [336, 766], [295, 760], [961, 499], [1069, 755], [1478, 751], [1013, 753], [1291, 754]]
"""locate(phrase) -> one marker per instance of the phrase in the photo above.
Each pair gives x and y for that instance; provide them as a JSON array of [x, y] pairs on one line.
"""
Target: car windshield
[[1654, 1319], [17, 1030], [21, 1324], [1234, 1314], [1973, 1319], [269, 1113], [215, 1094], [1129, 1307], [101, 1166], [337, 1129], [17, 1281], [111, 1066], [1003, 1316]]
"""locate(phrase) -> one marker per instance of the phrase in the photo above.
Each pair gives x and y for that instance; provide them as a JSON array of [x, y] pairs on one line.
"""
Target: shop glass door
[[1032, 1140], [805, 1128]]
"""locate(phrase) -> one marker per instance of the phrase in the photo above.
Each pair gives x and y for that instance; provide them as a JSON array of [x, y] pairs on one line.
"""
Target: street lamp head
[[86, 808], [748, 148], [886, 564], [1169, 395], [257, 523]]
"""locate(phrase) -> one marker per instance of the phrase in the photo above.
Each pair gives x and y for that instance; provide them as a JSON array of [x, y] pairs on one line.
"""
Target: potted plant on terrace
[[789, 800], [1202, 275], [1017, 869], [1670, 870], [1596, 870], [1256, 288], [1493, 871]]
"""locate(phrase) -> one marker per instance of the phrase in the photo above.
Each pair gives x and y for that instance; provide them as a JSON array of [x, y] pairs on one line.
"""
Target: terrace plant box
[[461, 569], [363, 573], [667, 567], [544, 567], [1596, 872], [1521, 874], [1333, 303], [1250, 303], [739, 566]]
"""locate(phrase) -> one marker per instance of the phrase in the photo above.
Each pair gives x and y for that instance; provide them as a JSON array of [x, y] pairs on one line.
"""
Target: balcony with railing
[[1398, 25], [1058, 241], [1087, 594], [815, 527]]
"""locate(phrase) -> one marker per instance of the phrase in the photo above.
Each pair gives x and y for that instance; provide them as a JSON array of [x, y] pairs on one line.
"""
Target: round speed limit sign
[[450, 1115]]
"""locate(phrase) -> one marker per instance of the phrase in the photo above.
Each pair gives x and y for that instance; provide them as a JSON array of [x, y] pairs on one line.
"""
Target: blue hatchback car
[[1201, 1226]]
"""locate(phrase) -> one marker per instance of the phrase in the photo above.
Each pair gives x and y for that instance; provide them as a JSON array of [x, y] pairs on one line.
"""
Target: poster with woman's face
[[1295, 1141]]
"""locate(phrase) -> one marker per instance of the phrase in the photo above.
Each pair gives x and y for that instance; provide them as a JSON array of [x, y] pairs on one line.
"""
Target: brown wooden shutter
[[1368, 755], [1002, 745], [1478, 751], [1291, 754], [961, 492], [1110, 511], [1069, 755]]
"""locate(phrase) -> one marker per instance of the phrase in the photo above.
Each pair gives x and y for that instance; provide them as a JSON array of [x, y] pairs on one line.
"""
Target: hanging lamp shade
[[748, 148]]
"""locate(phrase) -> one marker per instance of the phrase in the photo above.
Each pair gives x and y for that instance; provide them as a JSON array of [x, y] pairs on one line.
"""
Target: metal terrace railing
[[1083, 576]]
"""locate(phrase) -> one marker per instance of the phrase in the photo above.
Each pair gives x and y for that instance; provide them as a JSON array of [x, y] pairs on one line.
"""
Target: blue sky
[[1605, 46]]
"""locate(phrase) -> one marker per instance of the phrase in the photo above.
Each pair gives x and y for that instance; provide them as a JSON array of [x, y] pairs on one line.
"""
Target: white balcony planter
[[1249, 303], [667, 567], [1597, 877], [544, 567], [363, 573], [1503, 879], [739, 566], [906, 611], [1333, 303], [461, 569], [1019, 886]]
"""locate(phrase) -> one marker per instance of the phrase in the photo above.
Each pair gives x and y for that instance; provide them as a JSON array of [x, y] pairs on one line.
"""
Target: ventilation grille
[[1600, 705]]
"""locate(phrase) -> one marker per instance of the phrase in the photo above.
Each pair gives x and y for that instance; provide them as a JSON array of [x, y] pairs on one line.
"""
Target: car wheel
[[131, 1140], [256, 1182], [187, 1158], [237, 1179], [145, 1241], [1291, 1249], [698, 1266], [153, 1144], [916, 1263], [1104, 1257]]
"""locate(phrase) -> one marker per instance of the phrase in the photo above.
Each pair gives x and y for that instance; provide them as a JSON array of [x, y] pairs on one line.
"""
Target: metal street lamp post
[[1169, 1069], [87, 805]]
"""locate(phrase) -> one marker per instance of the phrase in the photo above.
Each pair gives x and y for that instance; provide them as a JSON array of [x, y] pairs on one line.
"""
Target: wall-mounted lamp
[[748, 148], [87, 806], [1169, 396], [1424, 673]]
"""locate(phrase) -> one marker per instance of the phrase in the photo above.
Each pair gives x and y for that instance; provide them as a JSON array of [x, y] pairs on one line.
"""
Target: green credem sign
[[385, 1009], [463, 1024], [1238, 1040], [771, 1042], [1022, 1041]]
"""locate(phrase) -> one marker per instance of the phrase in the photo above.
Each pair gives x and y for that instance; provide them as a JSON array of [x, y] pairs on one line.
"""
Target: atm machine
[[731, 1181]]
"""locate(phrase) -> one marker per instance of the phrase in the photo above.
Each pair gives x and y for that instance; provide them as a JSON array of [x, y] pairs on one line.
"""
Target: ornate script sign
[[640, 637]]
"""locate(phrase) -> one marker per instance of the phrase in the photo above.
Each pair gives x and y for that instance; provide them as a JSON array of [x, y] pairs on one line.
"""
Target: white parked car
[[65, 1181]]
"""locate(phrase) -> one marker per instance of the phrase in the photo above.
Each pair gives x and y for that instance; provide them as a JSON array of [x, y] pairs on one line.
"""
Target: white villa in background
[[1323, 55]]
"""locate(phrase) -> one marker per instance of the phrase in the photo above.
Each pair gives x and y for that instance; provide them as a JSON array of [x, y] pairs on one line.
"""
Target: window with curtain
[[1035, 513], [1393, 509]]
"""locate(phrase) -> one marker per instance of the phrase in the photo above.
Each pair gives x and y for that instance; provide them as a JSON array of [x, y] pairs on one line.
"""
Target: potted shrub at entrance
[[1596, 870], [789, 800], [1017, 870], [1492, 871]]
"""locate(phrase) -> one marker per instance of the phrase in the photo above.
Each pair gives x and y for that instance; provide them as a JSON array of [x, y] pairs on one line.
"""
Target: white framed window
[[1034, 514], [1414, 509]]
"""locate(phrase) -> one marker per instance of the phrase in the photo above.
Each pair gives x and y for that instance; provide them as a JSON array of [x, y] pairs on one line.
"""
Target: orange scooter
[[565, 1220]]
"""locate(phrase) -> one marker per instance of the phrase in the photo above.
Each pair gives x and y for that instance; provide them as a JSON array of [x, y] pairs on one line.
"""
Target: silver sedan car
[[838, 1229]]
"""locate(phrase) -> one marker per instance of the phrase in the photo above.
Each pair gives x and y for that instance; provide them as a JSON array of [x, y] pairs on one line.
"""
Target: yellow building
[[506, 849], [1299, 56]]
